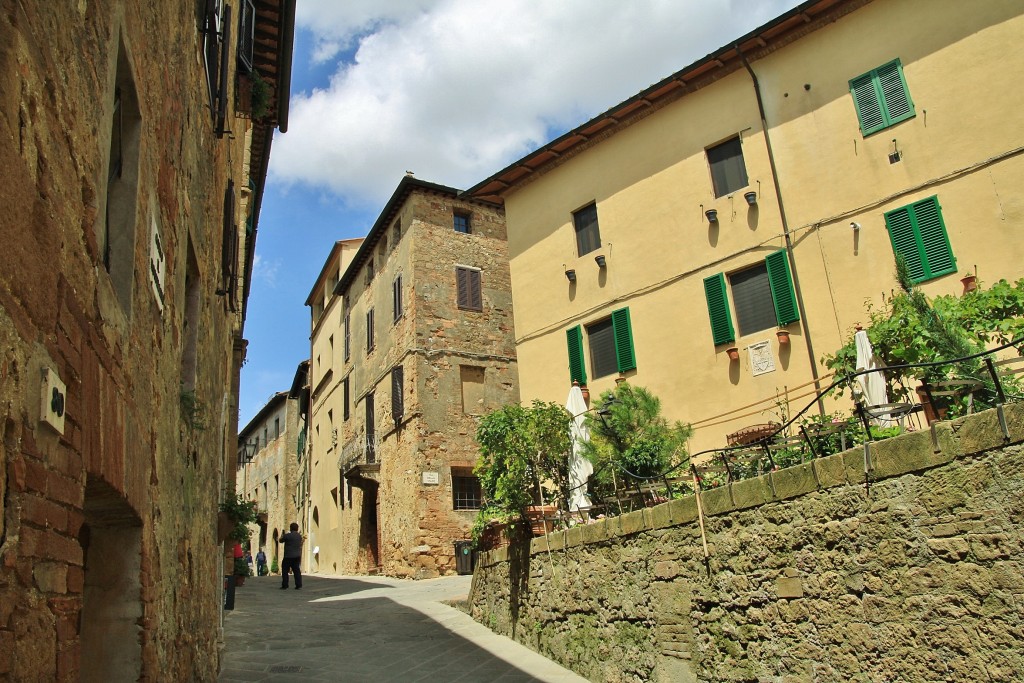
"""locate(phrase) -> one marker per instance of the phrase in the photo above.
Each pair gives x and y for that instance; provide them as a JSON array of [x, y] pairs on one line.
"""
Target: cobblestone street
[[369, 629]]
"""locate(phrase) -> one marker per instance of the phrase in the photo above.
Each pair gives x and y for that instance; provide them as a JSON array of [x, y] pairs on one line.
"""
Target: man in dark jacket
[[292, 555]]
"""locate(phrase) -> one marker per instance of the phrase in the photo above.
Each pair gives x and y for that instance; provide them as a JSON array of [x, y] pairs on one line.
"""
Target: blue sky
[[453, 90]]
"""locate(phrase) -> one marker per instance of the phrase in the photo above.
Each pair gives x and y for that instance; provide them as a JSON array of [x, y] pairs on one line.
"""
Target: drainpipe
[[785, 227]]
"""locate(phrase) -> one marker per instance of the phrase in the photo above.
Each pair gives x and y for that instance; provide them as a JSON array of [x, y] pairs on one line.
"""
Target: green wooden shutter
[[781, 281], [918, 233], [881, 97], [623, 333], [895, 95], [718, 309], [868, 103], [577, 371]]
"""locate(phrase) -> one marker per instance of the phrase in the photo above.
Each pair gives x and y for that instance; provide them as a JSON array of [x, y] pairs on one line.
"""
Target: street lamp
[[247, 451]]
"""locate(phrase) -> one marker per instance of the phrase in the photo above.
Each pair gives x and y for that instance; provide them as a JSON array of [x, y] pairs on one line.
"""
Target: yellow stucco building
[[766, 187]]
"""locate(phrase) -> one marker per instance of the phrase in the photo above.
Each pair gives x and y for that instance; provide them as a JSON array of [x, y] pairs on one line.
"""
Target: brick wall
[[812, 576]]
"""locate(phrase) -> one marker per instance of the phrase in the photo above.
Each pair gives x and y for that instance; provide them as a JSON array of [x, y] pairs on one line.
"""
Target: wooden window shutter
[[225, 63], [781, 281], [881, 97], [918, 234], [345, 399], [868, 103], [623, 333], [577, 370], [718, 309], [397, 398], [468, 290]]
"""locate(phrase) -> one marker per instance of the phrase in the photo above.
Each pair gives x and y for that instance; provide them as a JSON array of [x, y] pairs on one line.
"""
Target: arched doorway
[[111, 540]]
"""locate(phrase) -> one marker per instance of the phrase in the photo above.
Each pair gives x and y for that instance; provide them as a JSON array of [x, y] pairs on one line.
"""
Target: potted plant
[[783, 335], [241, 571], [235, 515], [970, 282], [521, 450], [733, 352]]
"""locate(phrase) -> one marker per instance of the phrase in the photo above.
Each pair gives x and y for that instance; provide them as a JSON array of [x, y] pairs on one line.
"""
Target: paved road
[[370, 629]]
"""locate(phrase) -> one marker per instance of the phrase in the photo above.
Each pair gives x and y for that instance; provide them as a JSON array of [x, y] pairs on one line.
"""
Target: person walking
[[261, 563], [292, 555]]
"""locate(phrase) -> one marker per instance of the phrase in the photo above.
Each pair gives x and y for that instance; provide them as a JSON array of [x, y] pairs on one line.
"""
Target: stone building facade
[[133, 172], [268, 467], [413, 345]]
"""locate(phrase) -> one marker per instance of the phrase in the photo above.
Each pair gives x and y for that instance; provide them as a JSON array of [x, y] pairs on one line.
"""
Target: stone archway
[[111, 540]]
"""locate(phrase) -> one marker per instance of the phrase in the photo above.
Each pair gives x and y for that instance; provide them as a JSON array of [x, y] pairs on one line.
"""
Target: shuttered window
[[369, 331], [577, 370], [588, 234], [345, 399], [718, 308], [611, 344], [881, 97], [918, 234], [396, 297], [397, 398], [467, 282], [763, 297], [728, 172]]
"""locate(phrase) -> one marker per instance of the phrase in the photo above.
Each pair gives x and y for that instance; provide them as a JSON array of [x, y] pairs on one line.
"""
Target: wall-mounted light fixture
[[855, 225], [570, 275], [600, 260], [712, 215], [751, 198], [247, 451]]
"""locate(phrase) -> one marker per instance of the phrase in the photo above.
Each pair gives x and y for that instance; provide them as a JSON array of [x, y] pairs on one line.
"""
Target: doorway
[[369, 540]]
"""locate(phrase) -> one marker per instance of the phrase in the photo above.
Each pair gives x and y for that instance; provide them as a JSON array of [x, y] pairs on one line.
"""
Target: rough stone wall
[[812, 576], [127, 467]]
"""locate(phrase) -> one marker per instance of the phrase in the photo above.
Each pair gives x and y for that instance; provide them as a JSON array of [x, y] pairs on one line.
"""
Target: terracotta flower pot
[[734, 353], [970, 283], [783, 336], [541, 518]]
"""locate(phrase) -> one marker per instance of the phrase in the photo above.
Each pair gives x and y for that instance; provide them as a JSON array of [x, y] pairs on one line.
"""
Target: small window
[[467, 281], [396, 297], [277, 427], [611, 344], [396, 233], [918, 234], [462, 222], [881, 98], [397, 395], [369, 331], [348, 335], [345, 399], [246, 34], [382, 247], [466, 493], [369, 270], [588, 236], [728, 173]]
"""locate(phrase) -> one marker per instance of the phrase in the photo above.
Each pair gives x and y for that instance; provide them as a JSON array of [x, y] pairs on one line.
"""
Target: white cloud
[[264, 270], [457, 89]]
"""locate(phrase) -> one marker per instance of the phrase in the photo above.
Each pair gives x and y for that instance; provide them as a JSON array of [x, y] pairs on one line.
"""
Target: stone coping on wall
[[910, 452]]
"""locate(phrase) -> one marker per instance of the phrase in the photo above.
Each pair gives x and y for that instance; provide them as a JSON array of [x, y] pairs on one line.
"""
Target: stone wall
[[812, 575]]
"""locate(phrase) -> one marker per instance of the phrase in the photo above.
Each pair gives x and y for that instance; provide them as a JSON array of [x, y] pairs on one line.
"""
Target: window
[[397, 397], [396, 233], [371, 431], [466, 493], [345, 400], [588, 236], [611, 347], [277, 427], [467, 283], [211, 48], [246, 34], [348, 332], [763, 297], [229, 247], [369, 331], [369, 270], [881, 98], [728, 173], [461, 222], [115, 230], [918, 234], [396, 297]]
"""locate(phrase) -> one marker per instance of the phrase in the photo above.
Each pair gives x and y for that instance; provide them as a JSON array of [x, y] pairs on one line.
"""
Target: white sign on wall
[[761, 359], [431, 478]]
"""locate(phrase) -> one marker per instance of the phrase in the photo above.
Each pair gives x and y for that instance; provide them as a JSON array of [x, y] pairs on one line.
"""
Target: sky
[[452, 90]]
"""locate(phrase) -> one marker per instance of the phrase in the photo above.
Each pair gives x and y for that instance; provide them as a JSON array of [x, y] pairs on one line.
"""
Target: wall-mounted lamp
[[570, 275], [751, 198], [855, 225], [712, 215], [599, 259], [247, 451]]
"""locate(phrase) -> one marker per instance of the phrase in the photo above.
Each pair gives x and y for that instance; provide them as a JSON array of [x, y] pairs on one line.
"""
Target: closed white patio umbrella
[[580, 468]]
